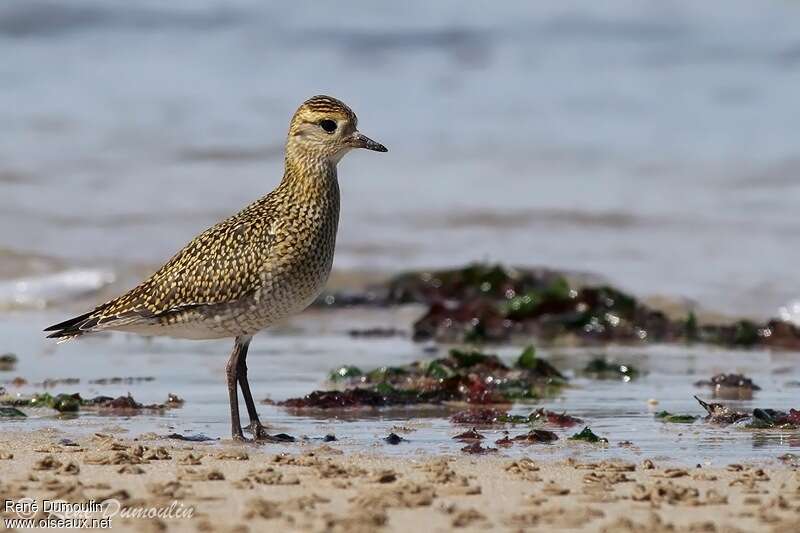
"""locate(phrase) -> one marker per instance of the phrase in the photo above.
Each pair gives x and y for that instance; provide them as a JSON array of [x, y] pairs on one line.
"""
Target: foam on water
[[37, 292]]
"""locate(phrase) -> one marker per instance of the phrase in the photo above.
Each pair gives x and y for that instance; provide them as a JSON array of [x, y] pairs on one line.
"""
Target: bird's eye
[[328, 125]]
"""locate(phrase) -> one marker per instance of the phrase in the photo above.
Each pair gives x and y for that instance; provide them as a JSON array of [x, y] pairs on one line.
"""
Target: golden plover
[[268, 261]]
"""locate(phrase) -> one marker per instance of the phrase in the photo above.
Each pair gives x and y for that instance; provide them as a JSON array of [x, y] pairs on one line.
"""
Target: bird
[[263, 264]]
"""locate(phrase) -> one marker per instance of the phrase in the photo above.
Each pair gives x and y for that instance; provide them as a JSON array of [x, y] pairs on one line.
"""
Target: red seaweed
[[471, 435], [557, 419], [536, 436], [477, 449]]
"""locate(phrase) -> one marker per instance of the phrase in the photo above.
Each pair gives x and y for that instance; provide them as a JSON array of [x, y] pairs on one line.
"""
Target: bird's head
[[324, 129]]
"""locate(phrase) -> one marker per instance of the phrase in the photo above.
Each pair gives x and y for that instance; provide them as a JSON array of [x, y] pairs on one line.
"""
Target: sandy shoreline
[[233, 487]]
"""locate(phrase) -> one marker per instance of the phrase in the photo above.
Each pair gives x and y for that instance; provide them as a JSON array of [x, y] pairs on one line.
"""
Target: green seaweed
[[666, 416], [437, 370], [385, 373], [531, 302], [527, 359], [535, 366], [345, 372], [66, 403], [524, 390], [11, 412], [513, 419], [692, 329], [746, 334], [61, 402], [587, 435], [602, 368]]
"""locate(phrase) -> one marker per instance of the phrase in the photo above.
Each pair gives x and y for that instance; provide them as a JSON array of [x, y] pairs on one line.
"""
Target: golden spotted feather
[[269, 260]]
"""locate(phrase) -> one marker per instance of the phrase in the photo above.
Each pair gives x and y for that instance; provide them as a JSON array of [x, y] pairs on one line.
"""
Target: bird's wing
[[221, 265]]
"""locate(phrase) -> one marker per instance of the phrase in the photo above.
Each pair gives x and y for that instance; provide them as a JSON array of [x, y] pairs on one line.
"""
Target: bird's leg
[[231, 373], [255, 424]]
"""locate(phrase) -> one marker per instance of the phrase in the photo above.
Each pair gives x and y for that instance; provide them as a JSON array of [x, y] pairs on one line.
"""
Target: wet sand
[[241, 487]]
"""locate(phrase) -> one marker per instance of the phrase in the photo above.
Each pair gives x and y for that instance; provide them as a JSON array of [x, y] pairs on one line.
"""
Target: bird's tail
[[75, 327]]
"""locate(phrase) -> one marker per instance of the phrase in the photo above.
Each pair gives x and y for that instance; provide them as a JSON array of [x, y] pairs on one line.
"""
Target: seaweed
[[357, 397], [536, 436], [394, 439], [493, 303], [173, 400], [498, 417], [536, 302], [474, 280], [692, 331], [486, 417], [737, 381], [385, 373], [49, 383], [476, 449], [470, 435], [72, 403], [557, 419], [587, 435], [505, 441], [478, 320], [346, 372], [8, 362], [773, 418], [601, 368], [537, 366], [122, 381], [60, 402], [462, 376], [666, 416], [376, 333], [11, 412]]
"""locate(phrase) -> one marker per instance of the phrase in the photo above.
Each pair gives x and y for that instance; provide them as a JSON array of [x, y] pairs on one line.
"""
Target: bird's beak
[[359, 140]]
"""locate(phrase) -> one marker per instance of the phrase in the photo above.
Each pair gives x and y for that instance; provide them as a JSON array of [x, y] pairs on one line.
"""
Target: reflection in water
[[777, 439]]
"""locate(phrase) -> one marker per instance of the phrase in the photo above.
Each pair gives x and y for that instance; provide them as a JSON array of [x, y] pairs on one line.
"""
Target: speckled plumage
[[264, 263]]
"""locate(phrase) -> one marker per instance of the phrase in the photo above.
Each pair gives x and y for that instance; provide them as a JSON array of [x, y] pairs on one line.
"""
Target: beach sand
[[316, 487]]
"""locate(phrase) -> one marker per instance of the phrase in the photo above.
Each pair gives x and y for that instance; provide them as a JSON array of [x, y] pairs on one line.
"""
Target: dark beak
[[358, 140]]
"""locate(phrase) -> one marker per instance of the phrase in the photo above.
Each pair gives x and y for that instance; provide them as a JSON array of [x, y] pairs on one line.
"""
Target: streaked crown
[[321, 107]]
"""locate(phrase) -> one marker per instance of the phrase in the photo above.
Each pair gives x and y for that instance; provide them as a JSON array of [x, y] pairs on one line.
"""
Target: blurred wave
[[38, 292]]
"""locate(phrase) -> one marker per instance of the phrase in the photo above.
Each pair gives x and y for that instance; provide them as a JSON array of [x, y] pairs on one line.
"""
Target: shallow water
[[296, 359], [652, 145]]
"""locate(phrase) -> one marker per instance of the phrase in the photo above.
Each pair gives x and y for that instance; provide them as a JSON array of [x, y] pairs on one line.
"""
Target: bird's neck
[[310, 179]]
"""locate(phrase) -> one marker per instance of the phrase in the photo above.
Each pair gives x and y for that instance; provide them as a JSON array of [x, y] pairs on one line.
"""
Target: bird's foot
[[258, 431], [277, 438], [260, 434]]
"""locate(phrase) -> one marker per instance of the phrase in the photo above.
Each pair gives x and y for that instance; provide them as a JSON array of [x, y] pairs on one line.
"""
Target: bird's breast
[[299, 262]]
